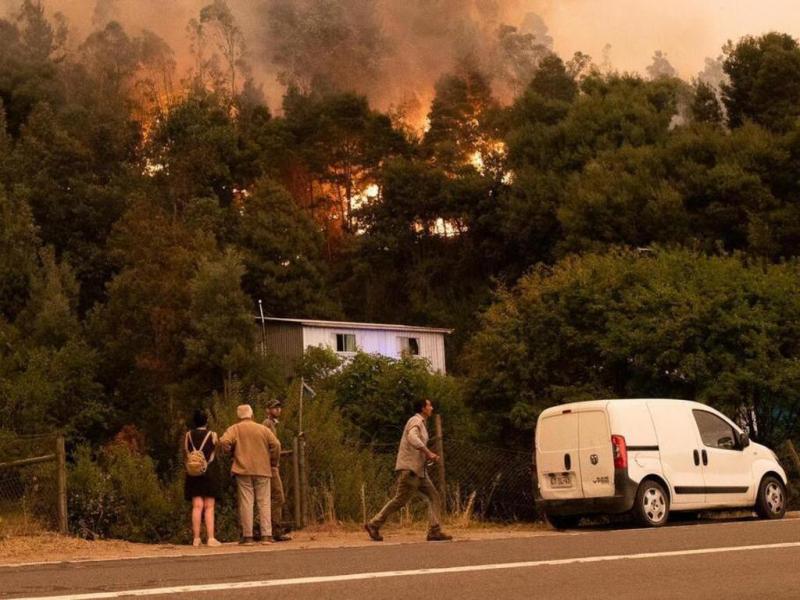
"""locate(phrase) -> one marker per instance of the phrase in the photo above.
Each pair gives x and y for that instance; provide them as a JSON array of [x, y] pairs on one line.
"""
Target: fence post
[[61, 466], [298, 511], [440, 452], [304, 482]]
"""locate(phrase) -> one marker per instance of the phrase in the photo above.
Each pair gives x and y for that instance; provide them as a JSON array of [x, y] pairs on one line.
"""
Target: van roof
[[606, 403]]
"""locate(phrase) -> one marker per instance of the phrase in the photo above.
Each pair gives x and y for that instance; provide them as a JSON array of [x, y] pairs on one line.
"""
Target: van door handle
[[567, 462], [696, 456], [705, 457]]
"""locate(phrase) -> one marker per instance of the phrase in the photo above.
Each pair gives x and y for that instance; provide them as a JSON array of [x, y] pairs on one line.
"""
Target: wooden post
[[61, 466], [440, 452], [298, 510], [304, 482]]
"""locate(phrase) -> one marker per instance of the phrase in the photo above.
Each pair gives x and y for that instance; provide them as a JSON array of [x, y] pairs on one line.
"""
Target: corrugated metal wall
[[286, 341]]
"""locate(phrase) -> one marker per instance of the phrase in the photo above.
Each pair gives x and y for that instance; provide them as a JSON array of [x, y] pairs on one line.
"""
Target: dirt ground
[[51, 547]]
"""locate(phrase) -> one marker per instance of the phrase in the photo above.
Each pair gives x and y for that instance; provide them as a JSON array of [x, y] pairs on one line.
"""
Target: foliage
[[142, 218], [119, 495], [377, 395], [661, 323], [764, 85]]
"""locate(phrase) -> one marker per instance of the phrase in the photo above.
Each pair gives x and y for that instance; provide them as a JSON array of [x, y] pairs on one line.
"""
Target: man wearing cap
[[255, 450], [274, 408]]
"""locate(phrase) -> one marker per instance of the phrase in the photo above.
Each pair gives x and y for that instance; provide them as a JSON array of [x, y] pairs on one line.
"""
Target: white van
[[650, 457]]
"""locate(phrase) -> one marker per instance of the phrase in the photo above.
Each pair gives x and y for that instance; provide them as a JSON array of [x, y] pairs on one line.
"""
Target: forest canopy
[[585, 232]]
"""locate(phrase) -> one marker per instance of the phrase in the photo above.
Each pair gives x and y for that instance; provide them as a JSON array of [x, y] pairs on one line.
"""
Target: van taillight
[[620, 452]]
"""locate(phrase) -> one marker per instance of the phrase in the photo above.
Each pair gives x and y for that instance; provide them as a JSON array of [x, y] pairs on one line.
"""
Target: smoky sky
[[394, 50]]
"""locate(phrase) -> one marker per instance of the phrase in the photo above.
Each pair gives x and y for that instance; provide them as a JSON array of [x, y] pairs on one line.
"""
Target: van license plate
[[560, 480]]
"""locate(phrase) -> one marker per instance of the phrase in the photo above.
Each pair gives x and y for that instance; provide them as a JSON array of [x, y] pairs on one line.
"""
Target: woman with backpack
[[202, 486]]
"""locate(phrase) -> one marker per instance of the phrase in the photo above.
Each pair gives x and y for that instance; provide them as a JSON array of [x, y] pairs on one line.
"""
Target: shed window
[[409, 345], [345, 342]]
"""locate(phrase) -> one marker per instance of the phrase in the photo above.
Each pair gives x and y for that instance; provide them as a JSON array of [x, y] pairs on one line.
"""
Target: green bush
[[119, 495]]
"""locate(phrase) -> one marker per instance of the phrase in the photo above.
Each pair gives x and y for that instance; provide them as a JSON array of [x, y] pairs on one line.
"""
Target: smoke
[[394, 50]]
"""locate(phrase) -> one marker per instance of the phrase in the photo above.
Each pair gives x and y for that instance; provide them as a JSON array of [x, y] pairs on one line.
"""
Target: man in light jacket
[[411, 476], [255, 450]]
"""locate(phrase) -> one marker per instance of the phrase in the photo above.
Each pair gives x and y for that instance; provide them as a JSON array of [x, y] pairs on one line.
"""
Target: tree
[[281, 254], [217, 21], [140, 330], [51, 375], [764, 85], [197, 152], [30, 48], [338, 146], [622, 198], [643, 324], [661, 67], [519, 55], [460, 118], [705, 104], [327, 46], [221, 332], [19, 246]]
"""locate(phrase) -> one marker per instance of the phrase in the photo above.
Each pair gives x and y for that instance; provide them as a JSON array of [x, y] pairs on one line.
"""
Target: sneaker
[[213, 542], [281, 537], [196, 542], [246, 541], [266, 540], [437, 535], [374, 532]]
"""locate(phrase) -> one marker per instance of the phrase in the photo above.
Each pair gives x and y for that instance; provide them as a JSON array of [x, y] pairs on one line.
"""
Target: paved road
[[730, 560]]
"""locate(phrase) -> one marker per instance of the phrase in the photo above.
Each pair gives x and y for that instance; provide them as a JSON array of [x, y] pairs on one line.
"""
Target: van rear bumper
[[622, 500]]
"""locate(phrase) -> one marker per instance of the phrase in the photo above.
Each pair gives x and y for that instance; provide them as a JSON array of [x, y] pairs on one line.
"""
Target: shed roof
[[353, 325]]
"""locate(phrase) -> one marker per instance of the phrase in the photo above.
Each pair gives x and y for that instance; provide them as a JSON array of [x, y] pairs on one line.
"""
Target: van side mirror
[[744, 440]]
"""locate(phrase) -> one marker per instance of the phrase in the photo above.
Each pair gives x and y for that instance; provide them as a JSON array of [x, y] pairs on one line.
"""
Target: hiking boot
[[437, 535], [213, 543], [247, 541], [374, 532]]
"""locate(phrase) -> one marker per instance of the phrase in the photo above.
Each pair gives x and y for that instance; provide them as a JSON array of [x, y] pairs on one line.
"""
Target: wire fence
[[32, 483], [489, 482], [336, 481]]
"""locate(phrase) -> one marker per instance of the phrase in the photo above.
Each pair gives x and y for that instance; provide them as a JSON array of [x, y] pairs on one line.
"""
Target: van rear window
[[558, 432]]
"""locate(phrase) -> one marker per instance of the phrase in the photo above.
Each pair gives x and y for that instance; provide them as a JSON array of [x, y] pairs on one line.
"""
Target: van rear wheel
[[771, 499], [563, 521], [651, 507]]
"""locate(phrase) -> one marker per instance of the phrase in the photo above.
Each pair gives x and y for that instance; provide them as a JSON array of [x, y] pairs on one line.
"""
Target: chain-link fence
[[330, 480], [488, 482], [32, 483]]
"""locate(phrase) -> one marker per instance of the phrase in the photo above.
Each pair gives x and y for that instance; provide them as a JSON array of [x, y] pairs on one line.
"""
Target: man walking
[[255, 449], [274, 408], [411, 476]]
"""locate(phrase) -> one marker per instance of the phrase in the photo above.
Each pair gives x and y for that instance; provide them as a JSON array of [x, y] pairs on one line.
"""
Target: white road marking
[[244, 585]]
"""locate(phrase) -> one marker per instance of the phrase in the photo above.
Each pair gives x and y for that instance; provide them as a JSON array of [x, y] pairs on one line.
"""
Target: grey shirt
[[411, 453]]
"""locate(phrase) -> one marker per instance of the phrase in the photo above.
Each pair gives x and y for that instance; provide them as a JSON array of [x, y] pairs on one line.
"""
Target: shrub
[[119, 495]]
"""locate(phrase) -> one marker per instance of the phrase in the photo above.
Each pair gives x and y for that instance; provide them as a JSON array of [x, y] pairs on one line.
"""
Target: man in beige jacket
[[255, 450], [411, 476]]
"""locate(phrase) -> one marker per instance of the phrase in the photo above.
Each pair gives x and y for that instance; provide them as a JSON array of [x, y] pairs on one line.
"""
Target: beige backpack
[[196, 463]]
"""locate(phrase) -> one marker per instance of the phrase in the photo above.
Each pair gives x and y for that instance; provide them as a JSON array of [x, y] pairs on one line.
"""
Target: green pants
[[409, 484]]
